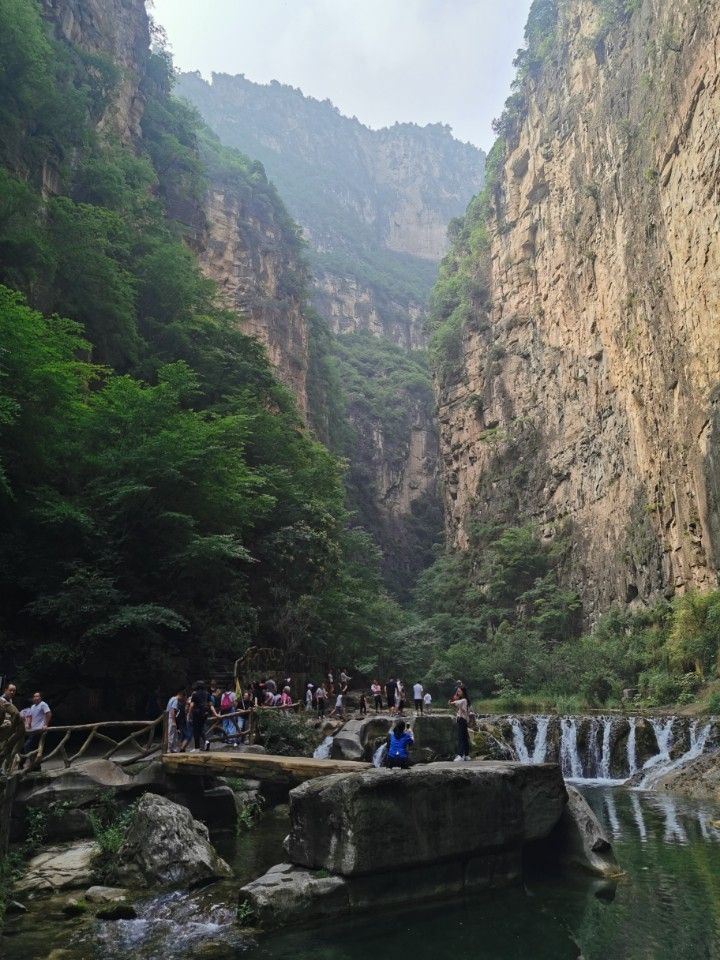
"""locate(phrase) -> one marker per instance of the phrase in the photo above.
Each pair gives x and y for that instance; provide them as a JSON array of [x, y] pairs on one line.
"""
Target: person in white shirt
[[427, 702], [40, 717], [418, 697], [339, 709]]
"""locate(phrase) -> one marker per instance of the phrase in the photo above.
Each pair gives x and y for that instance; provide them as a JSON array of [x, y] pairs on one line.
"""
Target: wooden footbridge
[[256, 766], [128, 742]]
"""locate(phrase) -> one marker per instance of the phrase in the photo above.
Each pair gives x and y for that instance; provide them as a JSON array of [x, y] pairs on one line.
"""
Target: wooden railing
[[138, 739], [142, 739]]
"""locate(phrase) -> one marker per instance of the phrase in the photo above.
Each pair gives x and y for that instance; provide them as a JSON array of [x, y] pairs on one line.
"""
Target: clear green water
[[667, 908]]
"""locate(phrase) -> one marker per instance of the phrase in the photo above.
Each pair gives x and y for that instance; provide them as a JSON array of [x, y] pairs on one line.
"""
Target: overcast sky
[[380, 60]]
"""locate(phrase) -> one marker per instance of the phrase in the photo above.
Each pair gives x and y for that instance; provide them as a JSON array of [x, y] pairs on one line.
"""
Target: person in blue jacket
[[399, 738]]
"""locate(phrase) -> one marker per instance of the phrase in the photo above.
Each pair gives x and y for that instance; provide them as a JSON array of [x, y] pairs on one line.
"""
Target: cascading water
[[657, 765], [632, 747], [594, 752], [698, 741], [540, 748], [569, 757], [591, 749], [605, 756], [323, 751], [379, 755], [519, 741]]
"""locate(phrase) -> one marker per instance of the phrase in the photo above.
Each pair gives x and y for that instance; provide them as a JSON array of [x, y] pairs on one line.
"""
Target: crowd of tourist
[[211, 710]]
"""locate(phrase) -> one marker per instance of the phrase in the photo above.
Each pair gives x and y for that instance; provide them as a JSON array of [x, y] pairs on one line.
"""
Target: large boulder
[[579, 842], [698, 779], [440, 812], [438, 734], [288, 894], [63, 867], [166, 846]]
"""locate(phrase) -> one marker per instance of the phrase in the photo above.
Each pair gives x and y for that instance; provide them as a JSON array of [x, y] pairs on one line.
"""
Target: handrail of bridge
[[142, 738], [145, 729]]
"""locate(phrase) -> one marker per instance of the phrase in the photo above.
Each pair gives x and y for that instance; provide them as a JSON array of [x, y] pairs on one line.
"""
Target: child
[[427, 702], [363, 705]]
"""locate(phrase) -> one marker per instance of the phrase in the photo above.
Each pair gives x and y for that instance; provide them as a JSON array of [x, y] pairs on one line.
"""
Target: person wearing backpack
[[228, 701], [398, 741]]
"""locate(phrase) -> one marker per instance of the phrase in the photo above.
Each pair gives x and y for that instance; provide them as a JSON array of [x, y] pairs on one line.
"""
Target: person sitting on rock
[[398, 740]]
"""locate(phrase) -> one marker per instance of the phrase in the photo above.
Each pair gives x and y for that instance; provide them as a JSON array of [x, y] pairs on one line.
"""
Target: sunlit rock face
[[588, 392]]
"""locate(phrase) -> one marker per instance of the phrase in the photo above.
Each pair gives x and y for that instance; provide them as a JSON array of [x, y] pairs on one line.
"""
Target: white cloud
[[381, 60]]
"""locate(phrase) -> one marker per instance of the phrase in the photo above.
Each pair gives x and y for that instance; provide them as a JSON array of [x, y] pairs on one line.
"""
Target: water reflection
[[666, 908]]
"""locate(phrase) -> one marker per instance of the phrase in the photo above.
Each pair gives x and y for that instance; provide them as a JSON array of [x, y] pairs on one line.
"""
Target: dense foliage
[[498, 617], [162, 505]]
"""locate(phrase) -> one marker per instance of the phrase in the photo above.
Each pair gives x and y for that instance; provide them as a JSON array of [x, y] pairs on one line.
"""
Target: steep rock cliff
[[374, 204], [118, 30], [250, 247], [584, 390], [237, 225], [374, 207]]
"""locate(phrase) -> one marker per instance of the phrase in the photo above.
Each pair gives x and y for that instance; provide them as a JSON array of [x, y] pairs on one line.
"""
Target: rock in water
[[62, 867], [287, 893], [435, 813], [166, 846], [580, 842]]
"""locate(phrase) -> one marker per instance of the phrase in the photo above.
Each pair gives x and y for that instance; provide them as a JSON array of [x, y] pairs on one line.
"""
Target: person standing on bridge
[[40, 717], [177, 723], [198, 714]]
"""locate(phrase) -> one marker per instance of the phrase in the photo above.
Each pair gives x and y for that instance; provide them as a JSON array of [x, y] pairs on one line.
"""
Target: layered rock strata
[[588, 396]]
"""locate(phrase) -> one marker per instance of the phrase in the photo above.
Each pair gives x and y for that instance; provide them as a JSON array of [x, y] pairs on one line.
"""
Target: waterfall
[[632, 747], [605, 756], [594, 754], [379, 755], [698, 740], [569, 758], [540, 748], [323, 751], [658, 764], [519, 741], [593, 760]]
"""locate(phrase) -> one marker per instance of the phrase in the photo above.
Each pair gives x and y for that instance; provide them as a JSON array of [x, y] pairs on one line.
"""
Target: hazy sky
[[380, 60]]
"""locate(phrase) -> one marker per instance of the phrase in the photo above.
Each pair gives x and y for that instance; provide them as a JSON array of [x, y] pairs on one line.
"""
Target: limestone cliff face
[[351, 306], [247, 251], [374, 205], [589, 397], [120, 31]]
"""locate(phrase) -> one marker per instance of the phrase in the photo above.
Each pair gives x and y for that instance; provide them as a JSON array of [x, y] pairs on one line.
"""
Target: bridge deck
[[257, 766]]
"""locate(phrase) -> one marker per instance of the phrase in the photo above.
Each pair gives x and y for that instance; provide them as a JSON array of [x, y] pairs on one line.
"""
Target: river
[[667, 907]]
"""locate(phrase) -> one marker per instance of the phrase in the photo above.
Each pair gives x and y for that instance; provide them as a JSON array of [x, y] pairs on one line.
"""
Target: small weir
[[611, 749]]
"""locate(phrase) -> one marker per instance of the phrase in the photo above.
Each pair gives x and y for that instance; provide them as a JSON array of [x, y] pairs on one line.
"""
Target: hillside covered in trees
[[161, 501]]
